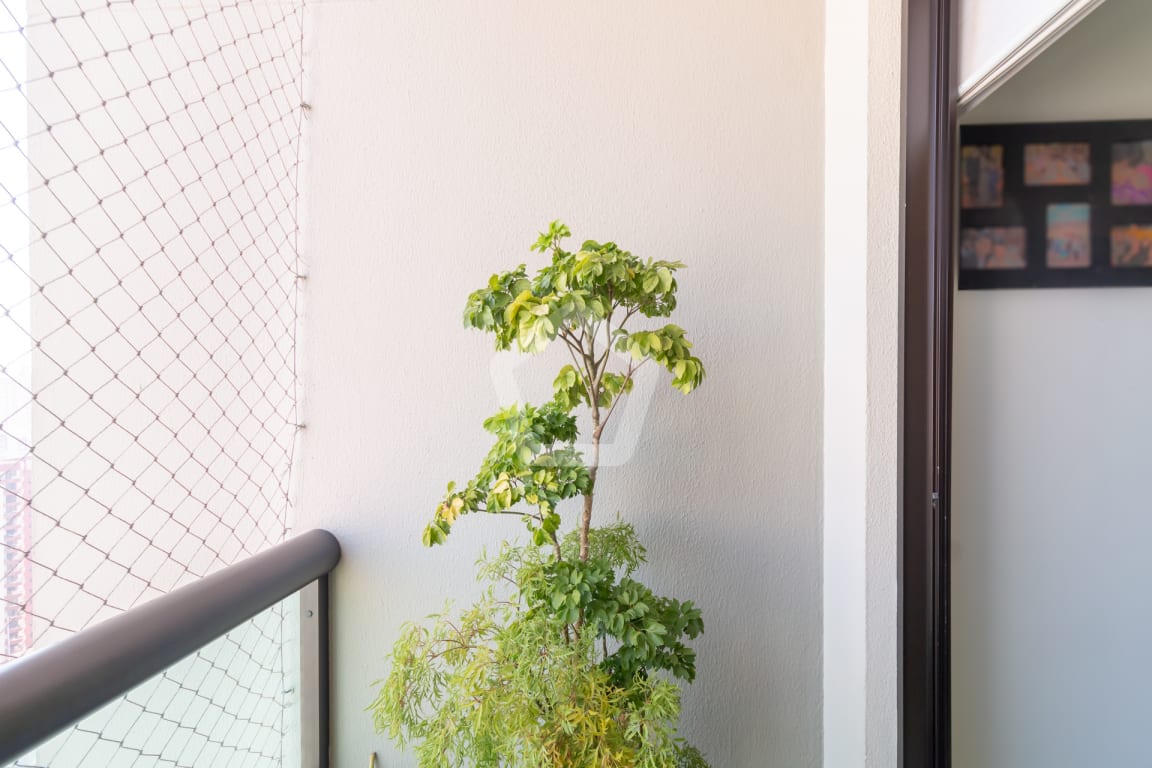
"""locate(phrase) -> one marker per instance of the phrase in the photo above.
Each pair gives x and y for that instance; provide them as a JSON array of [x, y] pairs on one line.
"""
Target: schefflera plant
[[566, 661]]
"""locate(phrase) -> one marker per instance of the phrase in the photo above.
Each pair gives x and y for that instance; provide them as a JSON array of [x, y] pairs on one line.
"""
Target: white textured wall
[[1050, 615], [443, 135]]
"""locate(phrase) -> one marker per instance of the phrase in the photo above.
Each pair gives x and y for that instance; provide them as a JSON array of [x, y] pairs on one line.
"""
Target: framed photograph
[[1055, 205], [993, 248], [1132, 246], [1132, 173], [982, 176], [1057, 164], [1069, 236]]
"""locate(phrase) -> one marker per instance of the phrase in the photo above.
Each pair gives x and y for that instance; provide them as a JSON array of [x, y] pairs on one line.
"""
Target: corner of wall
[[863, 56]]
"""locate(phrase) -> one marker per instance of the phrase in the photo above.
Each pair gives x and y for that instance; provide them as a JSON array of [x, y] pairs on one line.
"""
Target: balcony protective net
[[149, 157]]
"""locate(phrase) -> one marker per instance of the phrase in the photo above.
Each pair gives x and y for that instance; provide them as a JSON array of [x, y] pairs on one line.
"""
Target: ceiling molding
[[978, 87]]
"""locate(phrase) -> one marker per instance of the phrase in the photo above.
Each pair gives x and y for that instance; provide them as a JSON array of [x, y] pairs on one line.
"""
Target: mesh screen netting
[[149, 155]]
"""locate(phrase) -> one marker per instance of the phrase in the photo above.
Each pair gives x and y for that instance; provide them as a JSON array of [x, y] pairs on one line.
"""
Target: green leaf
[[433, 534]]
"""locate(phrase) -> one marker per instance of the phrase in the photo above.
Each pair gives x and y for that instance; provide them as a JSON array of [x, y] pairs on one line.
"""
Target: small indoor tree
[[566, 661]]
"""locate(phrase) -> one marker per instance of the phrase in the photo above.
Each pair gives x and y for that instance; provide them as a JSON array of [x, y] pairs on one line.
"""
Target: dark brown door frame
[[925, 381]]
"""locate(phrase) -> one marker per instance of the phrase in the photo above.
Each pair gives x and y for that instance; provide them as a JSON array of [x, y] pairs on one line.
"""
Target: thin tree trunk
[[586, 519]]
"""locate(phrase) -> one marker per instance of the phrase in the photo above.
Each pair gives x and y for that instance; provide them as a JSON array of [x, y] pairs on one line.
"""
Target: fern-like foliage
[[506, 684]]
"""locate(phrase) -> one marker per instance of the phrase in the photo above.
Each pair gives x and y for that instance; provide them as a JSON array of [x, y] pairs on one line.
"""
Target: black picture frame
[[1027, 206]]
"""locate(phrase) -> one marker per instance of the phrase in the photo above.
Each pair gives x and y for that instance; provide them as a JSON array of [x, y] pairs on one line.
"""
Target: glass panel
[[233, 703]]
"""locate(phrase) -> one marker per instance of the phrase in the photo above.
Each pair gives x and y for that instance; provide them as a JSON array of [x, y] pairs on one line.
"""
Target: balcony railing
[[49, 690]]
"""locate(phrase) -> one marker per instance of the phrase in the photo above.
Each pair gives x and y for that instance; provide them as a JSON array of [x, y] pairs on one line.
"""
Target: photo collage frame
[[1055, 205]]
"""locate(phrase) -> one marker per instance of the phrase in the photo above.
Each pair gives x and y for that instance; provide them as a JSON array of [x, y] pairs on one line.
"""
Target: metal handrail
[[48, 690]]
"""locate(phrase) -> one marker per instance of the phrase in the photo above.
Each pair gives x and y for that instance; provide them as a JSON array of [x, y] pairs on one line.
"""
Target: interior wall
[[1050, 616], [443, 136]]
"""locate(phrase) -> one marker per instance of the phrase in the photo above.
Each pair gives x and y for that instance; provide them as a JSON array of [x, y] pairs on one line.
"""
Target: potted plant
[[566, 661]]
